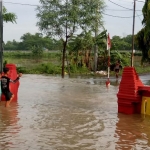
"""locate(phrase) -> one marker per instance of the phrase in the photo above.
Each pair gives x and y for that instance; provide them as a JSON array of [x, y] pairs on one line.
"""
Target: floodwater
[[70, 114]]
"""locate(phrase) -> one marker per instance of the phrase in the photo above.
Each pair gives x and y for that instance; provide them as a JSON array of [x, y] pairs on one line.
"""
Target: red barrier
[[13, 86], [129, 99], [144, 90]]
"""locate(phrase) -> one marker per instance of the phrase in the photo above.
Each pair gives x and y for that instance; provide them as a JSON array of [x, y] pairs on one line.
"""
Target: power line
[[139, 17], [21, 4], [130, 2], [124, 1], [121, 10], [120, 5], [101, 12], [38, 5], [119, 16], [129, 9]]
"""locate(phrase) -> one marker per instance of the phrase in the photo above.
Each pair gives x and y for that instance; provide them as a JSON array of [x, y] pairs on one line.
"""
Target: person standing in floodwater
[[117, 68], [5, 80]]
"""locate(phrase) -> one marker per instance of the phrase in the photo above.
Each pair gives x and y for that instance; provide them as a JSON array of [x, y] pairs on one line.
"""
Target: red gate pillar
[[13, 86], [129, 100]]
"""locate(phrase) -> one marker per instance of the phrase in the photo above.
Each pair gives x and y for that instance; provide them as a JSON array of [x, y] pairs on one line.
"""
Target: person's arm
[[14, 81]]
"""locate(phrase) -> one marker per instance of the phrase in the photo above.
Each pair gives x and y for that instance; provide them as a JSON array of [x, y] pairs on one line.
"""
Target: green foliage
[[8, 17], [41, 69], [100, 40], [29, 55], [124, 43], [28, 40], [142, 70], [143, 36], [82, 42], [23, 70], [85, 41], [78, 70], [123, 57], [17, 54], [37, 51], [50, 63], [57, 16], [11, 45], [143, 44], [62, 19], [91, 14], [48, 68], [146, 19]]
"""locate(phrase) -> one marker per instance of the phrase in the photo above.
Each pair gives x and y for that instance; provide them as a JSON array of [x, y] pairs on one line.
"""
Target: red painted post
[[129, 99], [13, 86]]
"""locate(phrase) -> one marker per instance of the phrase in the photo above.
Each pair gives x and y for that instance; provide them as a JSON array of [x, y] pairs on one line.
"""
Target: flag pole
[[108, 48], [108, 62]]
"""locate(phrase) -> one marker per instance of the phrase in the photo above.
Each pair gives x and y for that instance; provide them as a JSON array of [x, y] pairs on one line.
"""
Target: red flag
[[108, 42]]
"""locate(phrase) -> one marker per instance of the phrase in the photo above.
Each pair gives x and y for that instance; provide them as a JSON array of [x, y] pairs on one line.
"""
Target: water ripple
[[69, 114]]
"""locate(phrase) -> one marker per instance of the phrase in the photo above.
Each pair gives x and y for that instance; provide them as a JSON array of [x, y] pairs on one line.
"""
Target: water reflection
[[132, 132], [8, 125]]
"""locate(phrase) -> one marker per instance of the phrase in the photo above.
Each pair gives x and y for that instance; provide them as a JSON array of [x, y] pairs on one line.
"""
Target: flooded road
[[70, 114]]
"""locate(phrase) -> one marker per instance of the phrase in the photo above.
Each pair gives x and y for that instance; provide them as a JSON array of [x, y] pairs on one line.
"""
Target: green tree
[[29, 40], [37, 51], [84, 43], [146, 19], [142, 44], [128, 39], [62, 19], [101, 40], [143, 36], [119, 43], [11, 45]]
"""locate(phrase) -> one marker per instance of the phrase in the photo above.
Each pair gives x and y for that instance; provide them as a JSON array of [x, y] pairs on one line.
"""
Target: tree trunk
[[68, 65], [95, 57], [63, 58]]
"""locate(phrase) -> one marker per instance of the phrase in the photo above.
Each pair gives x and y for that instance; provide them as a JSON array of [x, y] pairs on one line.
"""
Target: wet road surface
[[70, 114]]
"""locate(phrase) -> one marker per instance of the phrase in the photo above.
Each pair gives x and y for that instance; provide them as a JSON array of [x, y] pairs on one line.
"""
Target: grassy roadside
[[50, 63]]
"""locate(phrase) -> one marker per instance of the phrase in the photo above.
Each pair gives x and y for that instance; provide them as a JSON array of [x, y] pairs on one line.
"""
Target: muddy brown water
[[70, 114]]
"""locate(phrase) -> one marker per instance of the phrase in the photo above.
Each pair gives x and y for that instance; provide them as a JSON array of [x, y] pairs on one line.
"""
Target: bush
[[22, 69], [48, 69], [75, 69]]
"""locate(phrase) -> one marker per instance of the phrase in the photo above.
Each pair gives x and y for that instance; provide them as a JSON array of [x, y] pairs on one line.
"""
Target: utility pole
[[1, 36], [132, 54]]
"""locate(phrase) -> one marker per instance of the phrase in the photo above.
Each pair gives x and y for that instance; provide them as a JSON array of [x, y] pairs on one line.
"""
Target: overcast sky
[[26, 18]]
